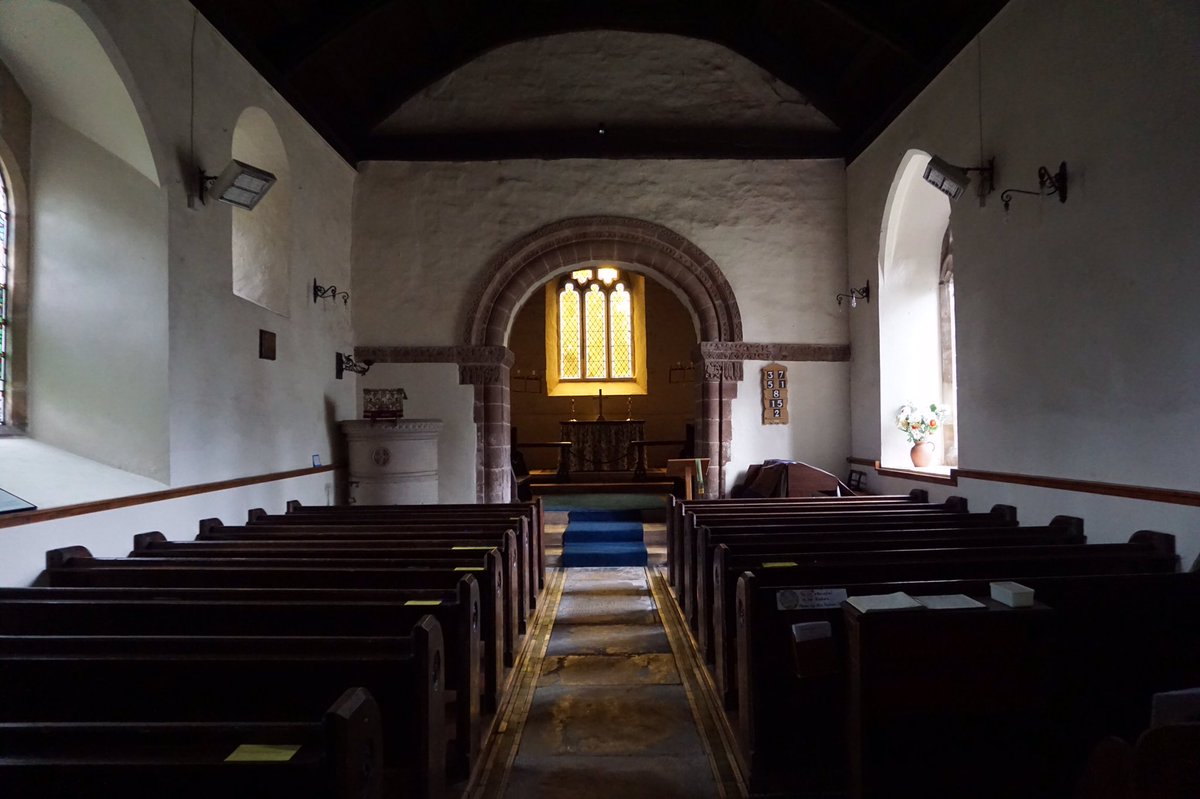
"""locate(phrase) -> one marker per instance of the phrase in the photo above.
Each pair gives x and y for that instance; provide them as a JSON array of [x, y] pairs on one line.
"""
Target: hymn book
[[876, 602]]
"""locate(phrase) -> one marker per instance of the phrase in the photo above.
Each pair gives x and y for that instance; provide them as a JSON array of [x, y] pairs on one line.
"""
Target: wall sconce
[[681, 373], [346, 363], [1048, 186], [953, 180], [238, 184], [521, 383], [328, 292], [855, 295]]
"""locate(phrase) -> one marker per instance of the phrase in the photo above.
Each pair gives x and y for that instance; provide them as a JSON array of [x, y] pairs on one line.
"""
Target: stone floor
[[609, 716]]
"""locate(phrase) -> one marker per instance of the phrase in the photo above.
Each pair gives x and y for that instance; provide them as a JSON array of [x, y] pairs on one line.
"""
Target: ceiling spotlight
[[238, 184], [953, 180]]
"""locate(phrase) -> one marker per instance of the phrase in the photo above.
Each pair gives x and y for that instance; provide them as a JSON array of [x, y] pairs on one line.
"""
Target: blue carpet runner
[[604, 538]]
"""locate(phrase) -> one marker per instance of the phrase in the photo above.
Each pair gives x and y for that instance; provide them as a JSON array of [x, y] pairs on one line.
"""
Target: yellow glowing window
[[621, 315], [596, 333], [569, 341], [581, 276], [607, 274]]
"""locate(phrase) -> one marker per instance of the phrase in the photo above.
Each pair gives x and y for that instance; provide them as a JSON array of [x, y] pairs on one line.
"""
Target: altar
[[602, 446]]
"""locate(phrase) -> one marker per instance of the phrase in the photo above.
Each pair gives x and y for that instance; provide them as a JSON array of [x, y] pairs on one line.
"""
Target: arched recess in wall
[[262, 237], [915, 300], [650, 249]]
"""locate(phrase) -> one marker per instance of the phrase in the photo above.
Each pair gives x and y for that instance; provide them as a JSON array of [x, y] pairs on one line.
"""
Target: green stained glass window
[[569, 353], [621, 315], [596, 333]]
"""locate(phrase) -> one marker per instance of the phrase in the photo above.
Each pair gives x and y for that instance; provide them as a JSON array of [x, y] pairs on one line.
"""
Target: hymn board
[[774, 394]]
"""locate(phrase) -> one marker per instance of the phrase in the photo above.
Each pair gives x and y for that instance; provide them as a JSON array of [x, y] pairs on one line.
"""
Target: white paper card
[[811, 631], [874, 602], [809, 598], [949, 602]]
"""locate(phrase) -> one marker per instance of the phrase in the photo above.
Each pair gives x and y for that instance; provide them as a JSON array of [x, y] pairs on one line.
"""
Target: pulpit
[[602, 446]]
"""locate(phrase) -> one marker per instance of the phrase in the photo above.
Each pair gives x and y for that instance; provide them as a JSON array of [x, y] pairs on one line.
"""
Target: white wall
[[110, 534], [98, 338], [619, 78], [1078, 345]]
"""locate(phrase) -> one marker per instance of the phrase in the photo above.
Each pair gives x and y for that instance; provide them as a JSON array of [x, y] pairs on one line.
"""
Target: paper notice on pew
[[809, 598], [949, 602], [874, 602], [263, 753]]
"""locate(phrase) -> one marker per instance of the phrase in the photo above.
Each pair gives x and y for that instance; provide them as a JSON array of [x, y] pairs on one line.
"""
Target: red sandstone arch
[[516, 272]]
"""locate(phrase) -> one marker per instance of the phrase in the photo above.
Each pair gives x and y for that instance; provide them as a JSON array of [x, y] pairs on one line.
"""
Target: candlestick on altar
[[628, 407], [600, 405]]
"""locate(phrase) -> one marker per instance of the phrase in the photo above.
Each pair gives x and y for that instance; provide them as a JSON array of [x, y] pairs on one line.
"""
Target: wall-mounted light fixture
[[346, 363], [329, 292], [953, 180], [1048, 186], [238, 184], [855, 295]]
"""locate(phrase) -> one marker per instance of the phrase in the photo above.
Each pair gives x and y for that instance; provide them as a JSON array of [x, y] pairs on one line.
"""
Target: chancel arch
[[523, 268]]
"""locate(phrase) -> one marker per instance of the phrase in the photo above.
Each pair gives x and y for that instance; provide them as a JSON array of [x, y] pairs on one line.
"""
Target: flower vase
[[922, 453]]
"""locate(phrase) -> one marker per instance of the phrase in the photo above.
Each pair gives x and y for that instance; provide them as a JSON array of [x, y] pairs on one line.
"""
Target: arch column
[[515, 273]]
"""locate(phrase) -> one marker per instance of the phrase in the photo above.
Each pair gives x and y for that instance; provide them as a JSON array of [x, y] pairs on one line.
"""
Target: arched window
[[949, 353], [5, 328], [595, 332]]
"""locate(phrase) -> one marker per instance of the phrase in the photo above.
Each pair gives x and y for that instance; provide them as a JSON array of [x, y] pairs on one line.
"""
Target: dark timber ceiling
[[347, 65]]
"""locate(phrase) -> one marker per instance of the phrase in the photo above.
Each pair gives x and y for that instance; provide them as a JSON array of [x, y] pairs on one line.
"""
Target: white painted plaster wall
[[110, 534], [98, 334], [1078, 343], [818, 429], [425, 232], [262, 237], [434, 393], [579, 80]]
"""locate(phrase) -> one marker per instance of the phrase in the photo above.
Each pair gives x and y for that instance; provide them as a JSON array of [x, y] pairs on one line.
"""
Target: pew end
[[208, 525], [1164, 762], [1156, 541], [956, 504], [353, 725], [293, 505], [428, 643], [57, 558], [1074, 524], [918, 495], [143, 541], [1108, 773], [254, 514], [1006, 513]]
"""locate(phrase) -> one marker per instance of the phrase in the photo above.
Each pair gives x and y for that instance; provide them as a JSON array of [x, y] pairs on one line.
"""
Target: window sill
[[9, 431], [941, 475]]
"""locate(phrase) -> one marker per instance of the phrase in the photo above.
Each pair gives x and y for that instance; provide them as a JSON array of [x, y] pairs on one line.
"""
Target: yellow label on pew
[[472, 547], [779, 564], [468, 568], [430, 602], [263, 753]]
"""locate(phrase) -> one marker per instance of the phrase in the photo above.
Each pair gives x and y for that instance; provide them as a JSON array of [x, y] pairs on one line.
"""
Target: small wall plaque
[[774, 394], [266, 345]]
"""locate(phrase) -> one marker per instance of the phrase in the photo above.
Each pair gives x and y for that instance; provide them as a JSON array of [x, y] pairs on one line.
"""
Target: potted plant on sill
[[919, 426]]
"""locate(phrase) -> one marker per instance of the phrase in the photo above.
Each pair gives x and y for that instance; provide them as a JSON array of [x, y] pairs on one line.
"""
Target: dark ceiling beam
[[615, 143], [290, 47]]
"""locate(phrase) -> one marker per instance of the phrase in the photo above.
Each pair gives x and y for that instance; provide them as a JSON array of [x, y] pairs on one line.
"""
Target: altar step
[[545, 481]]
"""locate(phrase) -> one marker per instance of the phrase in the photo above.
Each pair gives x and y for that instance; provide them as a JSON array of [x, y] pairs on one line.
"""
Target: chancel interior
[[389, 391]]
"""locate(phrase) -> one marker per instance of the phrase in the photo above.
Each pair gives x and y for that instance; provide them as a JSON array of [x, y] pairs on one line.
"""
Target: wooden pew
[[732, 557], [534, 511], [458, 614], [677, 509], [339, 757], [250, 678], [75, 567], [696, 561], [214, 529], [811, 707]]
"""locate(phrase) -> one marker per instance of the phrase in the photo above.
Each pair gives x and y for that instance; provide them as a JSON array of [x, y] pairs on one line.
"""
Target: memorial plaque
[[774, 394]]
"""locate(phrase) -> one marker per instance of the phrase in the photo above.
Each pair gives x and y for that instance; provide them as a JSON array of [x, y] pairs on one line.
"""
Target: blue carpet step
[[586, 516], [597, 532], [604, 554]]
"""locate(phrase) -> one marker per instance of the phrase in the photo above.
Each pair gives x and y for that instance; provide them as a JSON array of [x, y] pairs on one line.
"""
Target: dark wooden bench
[[677, 510], [214, 529], [778, 690], [335, 757], [458, 614], [213, 679], [696, 562]]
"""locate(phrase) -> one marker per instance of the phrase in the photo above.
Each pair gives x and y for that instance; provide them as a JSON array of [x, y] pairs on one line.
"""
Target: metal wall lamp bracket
[[329, 292], [1048, 186], [346, 363], [855, 295]]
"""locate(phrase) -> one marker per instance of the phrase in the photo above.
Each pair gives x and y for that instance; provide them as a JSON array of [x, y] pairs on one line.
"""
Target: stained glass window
[[595, 326], [4, 337], [596, 333], [569, 333], [621, 316]]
